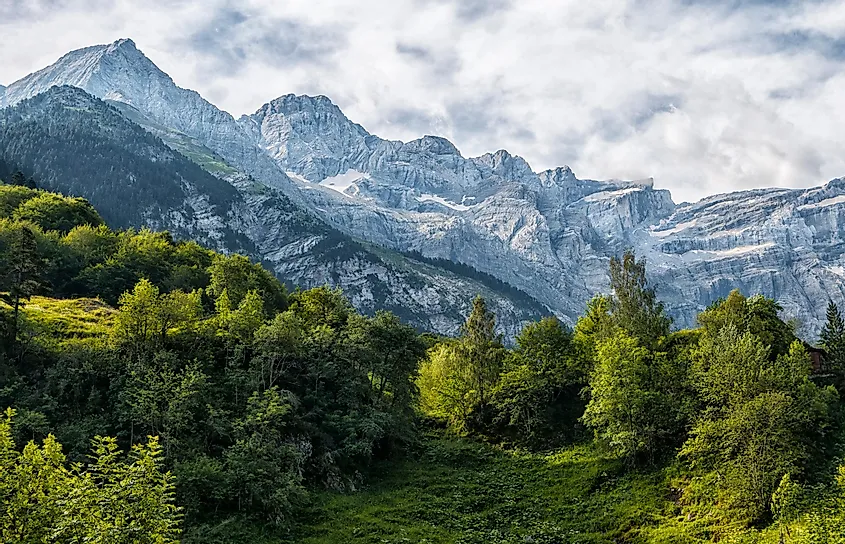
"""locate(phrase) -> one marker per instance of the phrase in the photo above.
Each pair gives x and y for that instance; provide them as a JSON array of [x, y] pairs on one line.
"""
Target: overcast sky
[[705, 96]]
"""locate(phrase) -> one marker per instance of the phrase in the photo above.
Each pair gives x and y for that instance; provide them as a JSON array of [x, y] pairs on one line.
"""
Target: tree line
[[251, 395], [735, 401], [234, 398]]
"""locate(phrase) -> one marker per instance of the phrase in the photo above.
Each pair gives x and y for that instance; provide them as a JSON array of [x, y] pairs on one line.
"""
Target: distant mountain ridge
[[546, 233]]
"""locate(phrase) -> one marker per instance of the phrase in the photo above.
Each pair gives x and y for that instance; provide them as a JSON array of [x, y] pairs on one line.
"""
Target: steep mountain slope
[[75, 143], [547, 233], [120, 73], [127, 172], [551, 232]]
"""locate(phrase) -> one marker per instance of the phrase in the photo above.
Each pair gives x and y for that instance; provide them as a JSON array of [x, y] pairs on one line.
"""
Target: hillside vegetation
[[248, 413]]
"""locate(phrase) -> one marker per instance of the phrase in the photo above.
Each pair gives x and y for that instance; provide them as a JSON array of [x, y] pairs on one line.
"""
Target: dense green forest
[[160, 392]]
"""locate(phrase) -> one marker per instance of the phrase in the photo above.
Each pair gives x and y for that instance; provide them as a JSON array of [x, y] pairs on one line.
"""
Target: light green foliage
[[55, 212], [631, 403], [757, 315], [92, 244], [786, 504], [594, 326], [240, 324], [825, 524], [445, 390], [458, 379], [112, 500], [12, 196], [238, 276], [322, 306], [146, 316], [761, 418]]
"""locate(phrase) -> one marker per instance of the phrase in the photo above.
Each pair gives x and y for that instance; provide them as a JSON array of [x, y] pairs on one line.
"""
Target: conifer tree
[[21, 277], [832, 339], [634, 305], [481, 348]]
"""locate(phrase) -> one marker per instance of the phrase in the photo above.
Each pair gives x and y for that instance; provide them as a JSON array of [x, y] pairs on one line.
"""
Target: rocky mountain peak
[[109, 71], [558, 176], [125, 44], [309, 116], [435, 145], [507, 166]]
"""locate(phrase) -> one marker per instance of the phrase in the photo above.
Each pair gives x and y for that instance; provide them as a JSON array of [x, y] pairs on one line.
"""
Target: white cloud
[[706, 96]]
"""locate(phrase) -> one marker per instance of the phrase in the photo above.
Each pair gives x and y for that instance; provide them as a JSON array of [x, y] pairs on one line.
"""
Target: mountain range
[[414, 227]]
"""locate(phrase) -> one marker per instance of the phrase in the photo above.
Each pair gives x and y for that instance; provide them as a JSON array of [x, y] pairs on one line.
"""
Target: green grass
[[70, 319], [458, 491]]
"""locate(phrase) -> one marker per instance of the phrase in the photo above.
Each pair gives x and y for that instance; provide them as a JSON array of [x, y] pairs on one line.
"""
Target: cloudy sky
[[705, 96]]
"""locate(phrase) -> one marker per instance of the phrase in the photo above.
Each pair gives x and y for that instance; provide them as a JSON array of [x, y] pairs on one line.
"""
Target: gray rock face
[[548, 233], [239, 213]]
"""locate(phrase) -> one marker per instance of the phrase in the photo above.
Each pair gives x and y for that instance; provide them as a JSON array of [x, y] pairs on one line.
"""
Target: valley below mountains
[[413, 227]]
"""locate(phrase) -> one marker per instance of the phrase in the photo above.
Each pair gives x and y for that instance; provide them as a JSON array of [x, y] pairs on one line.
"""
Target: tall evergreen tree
[[481, 347], [22, 275], [18, 178], [832, 339], [634, 305]]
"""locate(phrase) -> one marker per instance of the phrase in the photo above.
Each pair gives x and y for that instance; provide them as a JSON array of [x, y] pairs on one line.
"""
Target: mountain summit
[[548, 233], [113, 71]]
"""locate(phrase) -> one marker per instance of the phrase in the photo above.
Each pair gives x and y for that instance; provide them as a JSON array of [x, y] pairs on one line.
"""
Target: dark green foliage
[[19, 179], [20, 270], [832, 339], [79, 145], [254, 399], [537, 400]]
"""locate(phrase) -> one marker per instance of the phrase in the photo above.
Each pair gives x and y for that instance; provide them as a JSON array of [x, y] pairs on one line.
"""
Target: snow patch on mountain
[[442, 201], [840, 199], [345, 183]]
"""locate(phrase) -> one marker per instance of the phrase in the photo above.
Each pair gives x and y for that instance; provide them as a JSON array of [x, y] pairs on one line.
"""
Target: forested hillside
[[248, 413]]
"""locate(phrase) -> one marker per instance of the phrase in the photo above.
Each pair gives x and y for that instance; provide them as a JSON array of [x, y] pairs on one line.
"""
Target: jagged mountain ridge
[[75, 143], [548, 233]]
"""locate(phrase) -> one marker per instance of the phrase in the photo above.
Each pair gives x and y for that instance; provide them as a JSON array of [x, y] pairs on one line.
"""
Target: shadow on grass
[[459, 491]]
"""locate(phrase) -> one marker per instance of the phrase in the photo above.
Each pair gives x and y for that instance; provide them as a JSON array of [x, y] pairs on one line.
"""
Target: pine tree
[[832, 339], [18, 178], [481, 348], [22, 276], [634, 306]]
